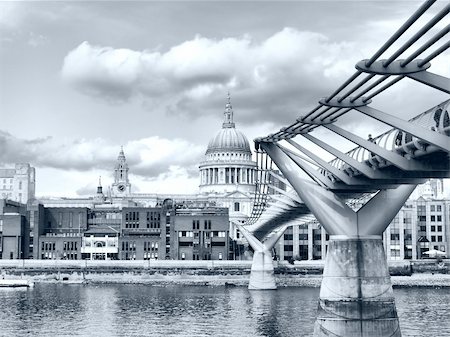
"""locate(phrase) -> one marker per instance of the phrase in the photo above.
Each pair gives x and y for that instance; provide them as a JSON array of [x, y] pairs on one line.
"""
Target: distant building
[[14, 230], [104, 232], [18, 182], [227, 179], [200, 234], [422, 224]]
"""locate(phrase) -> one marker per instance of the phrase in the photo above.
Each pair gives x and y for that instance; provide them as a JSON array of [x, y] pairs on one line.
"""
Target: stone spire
[[121, 157], [99, 187], [99, 197], [121, 169], [228, 114]]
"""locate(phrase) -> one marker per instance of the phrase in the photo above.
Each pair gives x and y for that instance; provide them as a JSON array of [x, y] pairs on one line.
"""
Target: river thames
[[174, 310]]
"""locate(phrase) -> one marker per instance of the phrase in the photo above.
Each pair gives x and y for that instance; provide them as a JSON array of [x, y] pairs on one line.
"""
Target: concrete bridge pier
[[262, 273], [356, 297]]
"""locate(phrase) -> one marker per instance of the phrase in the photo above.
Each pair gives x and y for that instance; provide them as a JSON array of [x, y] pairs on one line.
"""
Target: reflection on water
[[140, 310]]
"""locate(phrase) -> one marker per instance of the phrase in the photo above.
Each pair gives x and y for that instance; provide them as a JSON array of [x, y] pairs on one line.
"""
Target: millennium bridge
[[356, 195]]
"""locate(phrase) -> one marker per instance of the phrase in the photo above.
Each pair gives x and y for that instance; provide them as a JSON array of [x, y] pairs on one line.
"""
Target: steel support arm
[[361, 167], [433, 80], [286, 201], [252, 240], [376, 215], [313, 174], [283, 192], [326, 166], [428, 136], [394, 158], [330, 210], [273, 238]]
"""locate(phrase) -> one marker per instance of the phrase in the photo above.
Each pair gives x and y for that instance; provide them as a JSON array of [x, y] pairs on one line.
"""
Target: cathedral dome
[[228, 166], [229, 139]]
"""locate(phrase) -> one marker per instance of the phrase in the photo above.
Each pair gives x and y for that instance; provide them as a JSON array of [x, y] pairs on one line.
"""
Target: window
[[439, 228], [439, 238], [439, 218], [236, 207], [395, 236], [432, 208], [433, 228], [439, 208], [303, 236], [288, 237], [433, 218], [433, 238], [422, 218]]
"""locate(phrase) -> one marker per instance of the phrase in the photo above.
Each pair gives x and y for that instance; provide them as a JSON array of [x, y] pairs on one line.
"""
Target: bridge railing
[[436, 119]]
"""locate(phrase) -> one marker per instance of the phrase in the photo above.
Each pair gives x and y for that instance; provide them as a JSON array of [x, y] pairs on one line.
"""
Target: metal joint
[[395, 68], [348, 102]]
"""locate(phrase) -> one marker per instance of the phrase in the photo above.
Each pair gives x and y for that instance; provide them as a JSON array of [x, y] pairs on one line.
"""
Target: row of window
[[151, 246], [190, 234], [433, 208], [132, 216], [48, 246], [131, 246], [70, 245], [304, 236], [196, 224]]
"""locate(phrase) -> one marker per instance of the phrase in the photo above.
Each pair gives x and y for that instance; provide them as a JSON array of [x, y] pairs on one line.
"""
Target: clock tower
[[121, 186]]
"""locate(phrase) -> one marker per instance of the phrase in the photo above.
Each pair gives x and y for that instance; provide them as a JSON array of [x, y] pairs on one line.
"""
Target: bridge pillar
[[356, 297], [261, 275]]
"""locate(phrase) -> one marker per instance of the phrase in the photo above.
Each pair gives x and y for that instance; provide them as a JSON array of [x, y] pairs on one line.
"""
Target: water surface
[[142, 310]]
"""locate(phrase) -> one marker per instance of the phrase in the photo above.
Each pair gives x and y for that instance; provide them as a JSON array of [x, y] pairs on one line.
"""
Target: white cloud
[[284, 67], [148, 157]]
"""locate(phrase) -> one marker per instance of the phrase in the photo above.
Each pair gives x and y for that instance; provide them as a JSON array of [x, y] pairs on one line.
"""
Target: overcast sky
[[80, 79]]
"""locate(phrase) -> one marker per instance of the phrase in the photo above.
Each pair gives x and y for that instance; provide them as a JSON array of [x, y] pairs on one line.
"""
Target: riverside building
[[422, 224], [168, 231], [17, 182]]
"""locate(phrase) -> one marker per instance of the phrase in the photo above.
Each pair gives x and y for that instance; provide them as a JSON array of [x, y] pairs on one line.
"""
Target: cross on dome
[[228, 114]]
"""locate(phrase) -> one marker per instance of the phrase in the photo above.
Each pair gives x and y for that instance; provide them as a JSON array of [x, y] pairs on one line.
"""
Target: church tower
[[99, 197], [121, 186], [228, 166]]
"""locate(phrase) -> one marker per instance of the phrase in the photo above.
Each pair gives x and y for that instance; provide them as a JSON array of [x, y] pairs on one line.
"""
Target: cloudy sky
[[80, 79]]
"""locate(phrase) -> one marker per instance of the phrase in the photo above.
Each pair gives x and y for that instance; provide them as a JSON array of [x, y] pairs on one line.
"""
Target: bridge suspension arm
[[428, 136]]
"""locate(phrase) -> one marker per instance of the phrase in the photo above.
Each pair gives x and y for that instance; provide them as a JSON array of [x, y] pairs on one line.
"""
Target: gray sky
[[79, 79]]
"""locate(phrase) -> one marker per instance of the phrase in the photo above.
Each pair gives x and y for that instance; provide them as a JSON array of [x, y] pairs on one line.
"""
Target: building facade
[[18, 182], [102, 232], [14, 230], [421, 225], [227, 179], [200, 234]]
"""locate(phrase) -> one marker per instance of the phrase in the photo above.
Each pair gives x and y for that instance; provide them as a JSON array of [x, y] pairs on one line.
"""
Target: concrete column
[[323, 241], [295, 241], [401, 227], [356, 297], [261, 274], [310, 242], [387, 242]]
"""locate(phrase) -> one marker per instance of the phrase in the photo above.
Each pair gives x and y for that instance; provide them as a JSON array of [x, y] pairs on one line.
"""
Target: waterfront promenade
[[422, 273]]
